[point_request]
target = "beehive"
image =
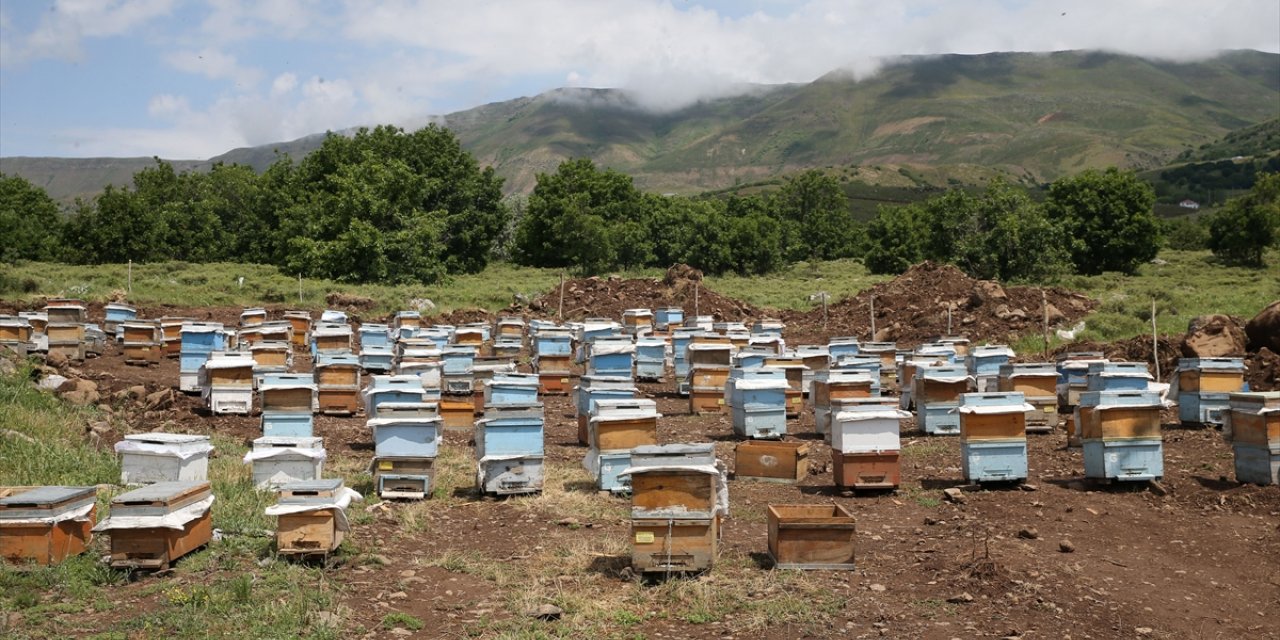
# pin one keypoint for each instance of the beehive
(770, 461)
(310, 516)
(154, 526)
(46, 525)
(876, 470)
(279, 460)
(163, 457)
(811, 537)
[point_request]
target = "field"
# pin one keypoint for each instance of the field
(1192, 558)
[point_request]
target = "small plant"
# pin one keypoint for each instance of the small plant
(401, 619)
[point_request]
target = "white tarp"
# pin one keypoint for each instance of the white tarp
(759, 384)
(79, 514)
(179, 451)
(718, 470)
(877, 414)
(176, 519)
(338, 503)
(317, 453)
(611, 348)
(946, 379)
(994, 409)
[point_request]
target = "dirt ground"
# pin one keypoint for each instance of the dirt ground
(1197, 556)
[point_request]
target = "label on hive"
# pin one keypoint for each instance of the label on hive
(796, 400)
(720, 401)
(644, 537)
(386, 465)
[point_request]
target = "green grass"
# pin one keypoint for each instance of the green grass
(791, 288)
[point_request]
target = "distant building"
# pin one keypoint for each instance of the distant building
(1189, 204)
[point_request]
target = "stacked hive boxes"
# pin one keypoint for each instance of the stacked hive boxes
(330, 338)
(421, 357)
(300, 325)
(337, 380)
(405, 324)
(815, 358)
(678, 495)
(651, 359)
(65, 328)
(615, 428)
(993, 436)
(680, 340)
(45, 525)
(923, 355)
(1253, 422)
(1073, 376)
(1204, 385)
(668, 318)
(795, 372)
(199, 340)
(311, 518)
(509, 449)
(457, 406)
(637, 322)
(509, 340)
(937, 394)
(252, 317)
(1118, 423)
(1037, 382)
(153, 526)
(288, 451)
(865, 444)
(832, 385)
(758, 399)
(39, 321)
(590, 390)
(162, 457)
(226, 383)
(709, 358)
(887, 354)
(407, 431)
(16, 335)
(377, 352)
(171, 330)
(984, 364)
(143, 341)
(271, 356)
(553, 359)
(115, 313)
(611, 356)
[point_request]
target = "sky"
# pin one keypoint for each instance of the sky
(190, 79)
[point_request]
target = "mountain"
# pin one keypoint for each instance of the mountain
(1029, 115)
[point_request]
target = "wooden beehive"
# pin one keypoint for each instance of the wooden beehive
(706, 400)
(786, 462)
(1030, 386)
(1107, 422)
(338, 401)
(993, 426)
(338, 375)
(457, 414)
(230, 376)
(709, 377)
(824, 392)
(937, 391)
(272, 355)
(45, 543)
(300, 321)
(1258, 429)
(617, 433)
(868, 470)
(287, 398)
(812, 537)
(158, 547)
(64, 333)
(666, 489)
(315, 532)
(674, 545)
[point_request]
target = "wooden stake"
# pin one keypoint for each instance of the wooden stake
(696, 286)
(824, 309)
(560, 313)
(1044, 307)
(299, 286)
(948, 320)
(131, 276)
(873, 318)
(1155, 340)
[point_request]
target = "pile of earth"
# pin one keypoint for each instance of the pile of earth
(609, 297)
(912, 308)
(1136, 349)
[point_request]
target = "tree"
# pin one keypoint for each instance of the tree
(29, 221)
(1241, 231)
(896, 239)
(571, 217)
(1109, 218)
(815, 202)
(1010, 238)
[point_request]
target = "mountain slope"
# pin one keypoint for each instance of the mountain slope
(1036, 116)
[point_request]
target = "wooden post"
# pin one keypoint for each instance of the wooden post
(873, 317)
(131, 276)
(948, 318)
(1044, 307)
(1155, 340)
(696, 286)
(299, 286)
(824, 309)
(560, 313)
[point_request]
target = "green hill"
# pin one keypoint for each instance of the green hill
(1033, 117)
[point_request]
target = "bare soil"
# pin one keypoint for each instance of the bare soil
(1197, 556)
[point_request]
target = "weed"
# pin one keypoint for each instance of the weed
(400, 619)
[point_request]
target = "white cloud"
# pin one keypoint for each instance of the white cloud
(215, 65)
(61, 29)
(284, 83)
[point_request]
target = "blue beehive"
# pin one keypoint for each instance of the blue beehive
(751, 357)
(1117, 376)
(511, 389)
(611, 357)
(994, 460)
(664, 319)
(510, 431)
(1256, 463)
(760, 420)
(286, 424)
(1202, 407)
(406, 437)
(458, 359)
(870, 366)
(767, 327)
(608, 465)
(553, 343)
(287, 401)
(757, 386)
(842, 347)
(651, 358)
(375, 398)
(116, 313)
(374, 335)
(591, 387)
(1133, 460)
(937, 416)
(380, 359)
(984, 364)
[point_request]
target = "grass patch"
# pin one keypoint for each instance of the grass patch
(399, 619)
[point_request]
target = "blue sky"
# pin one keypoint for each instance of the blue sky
(195, 78)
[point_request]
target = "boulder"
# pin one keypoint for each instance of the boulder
(992, 290)
(83, 398)
(56, 359)
(1264, 329)
(1055, 315)
(1213, 336)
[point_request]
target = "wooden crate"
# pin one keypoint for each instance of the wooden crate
(554, 383)
(457, 414)
(811, 537)
(338, 401)
(1121, 423)
(707, 400)
(338, 375)
(618, 435)
(1211, 381)
(159, 547)
(994, 426)
(308, 533)
(663, 545)
(933, 391)
(667, 489)
(44, 543)
(866, 470)
(786, 462)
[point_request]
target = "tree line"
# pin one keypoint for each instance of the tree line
(385, 205)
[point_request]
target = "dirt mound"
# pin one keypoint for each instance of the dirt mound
(1264, 329)
(1263, 370)
(351, 302)
(609, 297)
(1214, 336)
(464, 316)
(1136, 349)
(912, 308)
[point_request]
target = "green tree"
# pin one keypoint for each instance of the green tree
(815, 202)
(1186, 233)
(896, 239)
(571, 215)
(1109, 217)
(1241, 231)
(29, 221)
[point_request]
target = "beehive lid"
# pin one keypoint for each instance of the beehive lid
(229, 361)
(337, 360)
(321, 486)
(655, 455)
(281, 442)
(159, 498)
(46, 498)
(1028, 369)
(167, 438)
(201, 327)
(991, 351)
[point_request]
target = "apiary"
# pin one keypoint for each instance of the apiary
(678, 495)
(1253, 425)
(46, 525)
(1073, 375)
(197, 341)
(163, 457)
(591, 388)
(152, 527)
(16, 335)
(984, 362)
(311, 516)
(115, 313)
(171, 331)
(812, 536)
(651, 359)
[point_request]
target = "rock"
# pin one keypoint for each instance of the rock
(1144, 631)
(136, 392)
(69, 385)
(954, 494)
(161, 399)
(56, 359)
(1028, 487)
(399, 595)
(86, 385)
(545, 612)
(1263, 330)
(51, 382)
(992, 290)
(878, 588)
(401, 631)
(1055, 315)
(568, 522)
(967, 320)
(81, 398)
(887, 334)
(1066, 546)
(1213, 336)
(379, 559)
(7, 367)
(408, 573)
(963, 598)
(1028, 533)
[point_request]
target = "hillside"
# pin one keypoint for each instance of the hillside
(1030, 116)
